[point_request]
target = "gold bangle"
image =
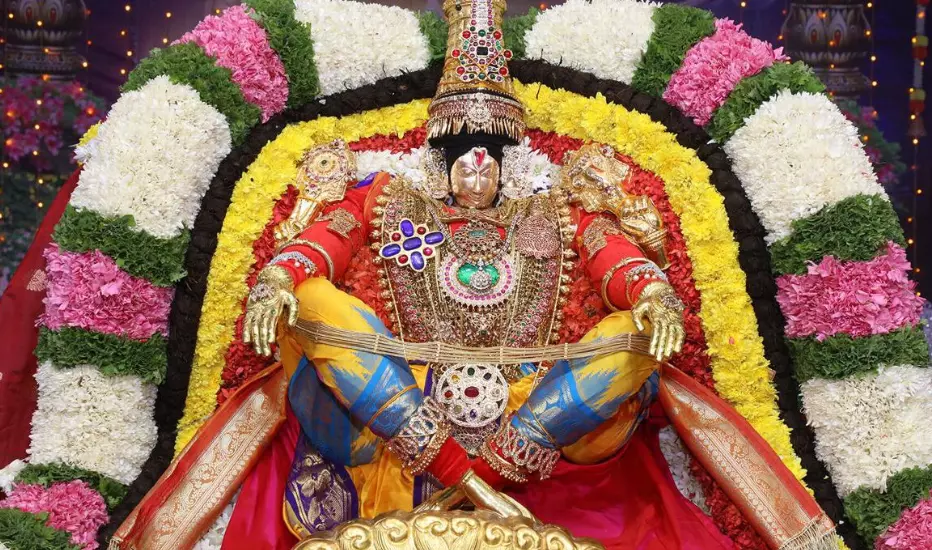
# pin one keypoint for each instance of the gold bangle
(607, 278)
(314, 246)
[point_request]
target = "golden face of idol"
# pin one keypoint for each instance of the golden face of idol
(474, 179)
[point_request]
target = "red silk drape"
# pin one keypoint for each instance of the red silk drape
(20, 304)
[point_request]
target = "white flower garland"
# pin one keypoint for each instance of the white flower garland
(871, 427)
(356, 44)
(678, 458)
(795, 155)
(604, 37)
(154, 157)
(8, 473)
(100, 423)
(213, 538)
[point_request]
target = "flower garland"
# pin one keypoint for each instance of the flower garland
(386, 41)
(240, 44)
(841, 355)
(112, 355)
(855, 298)
(187, 65)
(853, 229)
(73, 507)
(24, 530)
(90, 291)
(871, 427)
(585, 35)
(92, 421)
(676, 29)
(291, 40)
(873, 511)
(46, 475)
(156, 154)
(260, 185)
(791, 170)
(749, 94)
(714, 66)
(738, 363)
(913, 531)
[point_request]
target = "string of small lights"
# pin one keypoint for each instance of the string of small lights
(917, 131)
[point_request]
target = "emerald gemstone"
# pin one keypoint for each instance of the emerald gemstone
(482, 33)
(469, 275)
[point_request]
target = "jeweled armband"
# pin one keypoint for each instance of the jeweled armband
(645, 272)
(296, 259)
(419, 441)
(516, 457)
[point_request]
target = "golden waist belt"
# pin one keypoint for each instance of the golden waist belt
(441, 352)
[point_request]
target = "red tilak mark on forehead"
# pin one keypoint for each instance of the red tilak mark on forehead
(480, 156)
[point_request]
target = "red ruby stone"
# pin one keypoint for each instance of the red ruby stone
(507, 54)
(503, 71)
(403, 259)
(471, 392)
(497, 35)
(466, 34)
(448, 394)
(396, 236)
(460, 70)
(428, 251)
(421, 230)
(455, 53)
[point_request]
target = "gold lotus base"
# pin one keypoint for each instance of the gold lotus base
(459, 530)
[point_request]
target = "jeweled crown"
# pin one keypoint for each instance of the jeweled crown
(476, 91)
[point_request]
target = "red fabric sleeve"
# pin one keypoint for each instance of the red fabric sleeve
(20, 305)
(617, 248)
(340, 249)
(450, 464)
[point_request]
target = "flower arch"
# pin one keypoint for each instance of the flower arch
(791, 215)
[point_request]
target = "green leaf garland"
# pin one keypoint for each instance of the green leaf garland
(112, 355)
(677, 28)
(853, 229)
(841, 356)
(188, 64)
(20, 529)
(46, 474)
(291, 39)
(872, 511)
(434, 29)
(753, 91)
(160, 261)
(515, 28)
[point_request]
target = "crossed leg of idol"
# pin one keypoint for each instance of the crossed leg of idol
(346, 401)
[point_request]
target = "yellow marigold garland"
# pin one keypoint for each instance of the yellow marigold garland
(250, 209)
(739, 367)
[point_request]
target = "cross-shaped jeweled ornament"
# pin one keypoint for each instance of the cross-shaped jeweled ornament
(412, 245)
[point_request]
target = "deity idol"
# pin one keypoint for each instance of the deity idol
(469, 401)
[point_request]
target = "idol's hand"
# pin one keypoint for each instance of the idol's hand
(659, 304)
(639, 217)
(272, 296)
(482, 495)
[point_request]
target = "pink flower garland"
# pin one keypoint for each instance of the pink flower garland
(88, 290)
(714, 66)
(856, 298)
(913, 531)
(73, 507)
(241, 45)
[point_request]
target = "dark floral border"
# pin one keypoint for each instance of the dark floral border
(749, 233)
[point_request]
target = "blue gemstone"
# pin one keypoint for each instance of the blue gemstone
(412, 244)
(434, 238)
(389, 250)
(417, 261)
(407, 227)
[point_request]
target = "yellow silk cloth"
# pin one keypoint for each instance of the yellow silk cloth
(381, 485)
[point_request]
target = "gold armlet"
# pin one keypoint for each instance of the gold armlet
(418, 443)
(607, 278)
(648, 271)
(316, 247)
(517, 457)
